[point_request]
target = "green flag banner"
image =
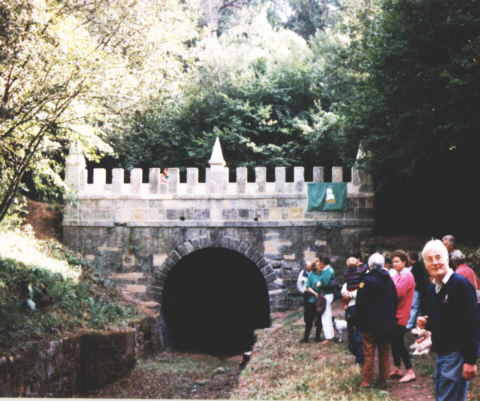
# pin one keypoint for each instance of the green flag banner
(326, 196)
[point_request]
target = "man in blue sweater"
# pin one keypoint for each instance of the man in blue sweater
(451, 317)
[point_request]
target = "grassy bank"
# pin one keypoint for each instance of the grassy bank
(47, 291)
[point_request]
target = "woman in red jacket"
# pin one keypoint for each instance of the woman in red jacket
(405, 286)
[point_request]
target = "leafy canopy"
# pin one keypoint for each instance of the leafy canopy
(257, 88)
(72, 70)
(416, 110)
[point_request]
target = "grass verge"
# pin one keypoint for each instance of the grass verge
(46, 291)
(285, 369)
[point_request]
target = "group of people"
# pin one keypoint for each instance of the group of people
(387, 297)
(316, 283)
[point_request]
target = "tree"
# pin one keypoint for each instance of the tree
(150, 50)
(416, 110)
(255, 87)
(71, 70)
(44, 71)
(304, 17)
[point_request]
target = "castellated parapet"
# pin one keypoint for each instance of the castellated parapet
(215, 202)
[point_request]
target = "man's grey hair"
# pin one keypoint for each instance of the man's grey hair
(450, 238)
(457, 256)
(376, 261)
(435, 245)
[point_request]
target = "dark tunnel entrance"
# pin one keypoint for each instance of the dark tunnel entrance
(213, 300)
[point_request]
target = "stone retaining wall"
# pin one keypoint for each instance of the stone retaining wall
(75, 365)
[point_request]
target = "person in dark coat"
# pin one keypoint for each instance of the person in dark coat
(308, 318)
(353, 277)
(376, 307)
(452, 317)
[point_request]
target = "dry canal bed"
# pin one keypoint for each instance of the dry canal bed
(280, 368)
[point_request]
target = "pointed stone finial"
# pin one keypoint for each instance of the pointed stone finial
(361, 179)
(75, 149)
(75, 167)
(217, 155)
(361, 153)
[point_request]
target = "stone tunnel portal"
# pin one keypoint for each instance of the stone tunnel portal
(213, 300)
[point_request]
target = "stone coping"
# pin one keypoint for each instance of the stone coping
(339, 222)
(136, 196)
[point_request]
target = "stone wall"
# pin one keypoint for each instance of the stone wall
(137, 258)
(135, 232)
(75, 365)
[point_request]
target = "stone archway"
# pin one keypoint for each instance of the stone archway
(169, 273)
(161, 273)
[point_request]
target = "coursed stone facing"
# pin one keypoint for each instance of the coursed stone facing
(130, 257)
(147, 228)
(74, 365)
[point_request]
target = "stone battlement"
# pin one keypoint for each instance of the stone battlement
(159, 187)
(167, 201)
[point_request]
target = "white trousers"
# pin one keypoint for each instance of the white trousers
(327, 321)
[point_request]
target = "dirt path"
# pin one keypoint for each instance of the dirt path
(177, 376)
(420, 389)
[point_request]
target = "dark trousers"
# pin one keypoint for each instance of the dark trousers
(310, 316)
(355, 344)
(399, 350)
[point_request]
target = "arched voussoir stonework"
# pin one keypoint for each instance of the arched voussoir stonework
(247, 250)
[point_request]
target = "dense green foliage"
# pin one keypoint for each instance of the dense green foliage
(416, 111)
(68, 304)
(422, 64)
(68, 69)
(150, 79)
(274, 119)
(259, 89)
(304, 17)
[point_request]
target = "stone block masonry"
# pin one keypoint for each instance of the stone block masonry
(74, 365)
(215, 203)
(78, 364)
(147, 227)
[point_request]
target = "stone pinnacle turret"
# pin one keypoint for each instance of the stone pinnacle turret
(217, 155)
(75, 167)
